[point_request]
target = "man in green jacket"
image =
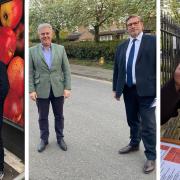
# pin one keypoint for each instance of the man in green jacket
(49, 81)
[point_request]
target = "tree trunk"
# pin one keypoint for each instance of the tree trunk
(57, 36)
(96, 33)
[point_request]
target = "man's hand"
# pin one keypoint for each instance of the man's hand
(114, 94)
(177, 78)
(67, 93)
(33, 96)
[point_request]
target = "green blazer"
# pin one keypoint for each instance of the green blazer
(41, 78)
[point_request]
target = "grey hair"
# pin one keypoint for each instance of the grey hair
(134, 16)
(44, 25)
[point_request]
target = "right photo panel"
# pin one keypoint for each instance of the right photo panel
(170, 90)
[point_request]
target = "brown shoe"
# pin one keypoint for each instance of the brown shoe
(149, 166)
(128, 149)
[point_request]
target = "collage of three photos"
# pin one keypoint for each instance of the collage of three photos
(89, 90)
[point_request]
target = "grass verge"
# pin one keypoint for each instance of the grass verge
(93, 63)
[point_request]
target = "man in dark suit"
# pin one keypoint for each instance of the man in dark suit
(170, 97)
(135, 77)
(4, 86)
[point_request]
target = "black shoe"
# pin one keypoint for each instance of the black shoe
(1, 174)
(149, 166)
(62, 144)
(128, 149)
(42, 146)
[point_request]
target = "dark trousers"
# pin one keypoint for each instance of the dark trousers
(1, 141)
(43, 110)
(141, 120)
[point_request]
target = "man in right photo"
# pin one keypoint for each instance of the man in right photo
(135, 77)
(170, 90)
(170, 97)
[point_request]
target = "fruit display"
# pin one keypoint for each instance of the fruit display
(12, 54)
(11, 13)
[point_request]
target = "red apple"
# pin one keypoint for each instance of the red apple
(16, 75)
(13, 107)
(7, 43)
(20, 37)
(11, 13)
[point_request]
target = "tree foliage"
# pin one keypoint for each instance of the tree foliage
(52, 12)
(175, 9)
(69, 14)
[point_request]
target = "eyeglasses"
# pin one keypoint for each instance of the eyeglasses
(134, 23)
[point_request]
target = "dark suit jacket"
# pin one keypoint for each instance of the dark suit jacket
(170, 101)
(145, 69)
(4, 83)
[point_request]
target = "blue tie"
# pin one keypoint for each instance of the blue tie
(129, 65)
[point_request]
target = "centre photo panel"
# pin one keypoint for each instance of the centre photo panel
(92, 90)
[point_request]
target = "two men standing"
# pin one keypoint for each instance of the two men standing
(49, 82)
(135, 77)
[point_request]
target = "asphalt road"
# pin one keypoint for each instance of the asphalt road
(95, 129)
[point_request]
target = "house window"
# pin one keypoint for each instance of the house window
(106, 38)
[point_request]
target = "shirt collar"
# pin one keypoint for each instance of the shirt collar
(139, 37)
(44, 48)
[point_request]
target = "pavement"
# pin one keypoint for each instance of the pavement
(95, 129)
(92, 72)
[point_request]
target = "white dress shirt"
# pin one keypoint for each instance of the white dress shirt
(137, 45)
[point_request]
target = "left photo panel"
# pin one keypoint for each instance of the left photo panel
(12, 104)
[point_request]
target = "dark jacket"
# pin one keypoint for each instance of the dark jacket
(170, 101)
(145, 69)
(4, 83)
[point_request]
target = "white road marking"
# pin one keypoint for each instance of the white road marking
(92, 79)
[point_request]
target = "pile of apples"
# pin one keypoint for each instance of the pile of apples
(12, 54)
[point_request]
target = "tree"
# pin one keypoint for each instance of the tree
(93, 13)
(50, 12)
(172, 9)
(175, 9)
(100, 12)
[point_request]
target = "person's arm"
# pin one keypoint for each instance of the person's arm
(115, 75)
(170, 97)
(32, 92)
(4, 82)
(67, 74)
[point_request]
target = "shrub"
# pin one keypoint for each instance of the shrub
(91, 50)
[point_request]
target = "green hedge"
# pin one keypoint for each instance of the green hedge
(91, 50)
